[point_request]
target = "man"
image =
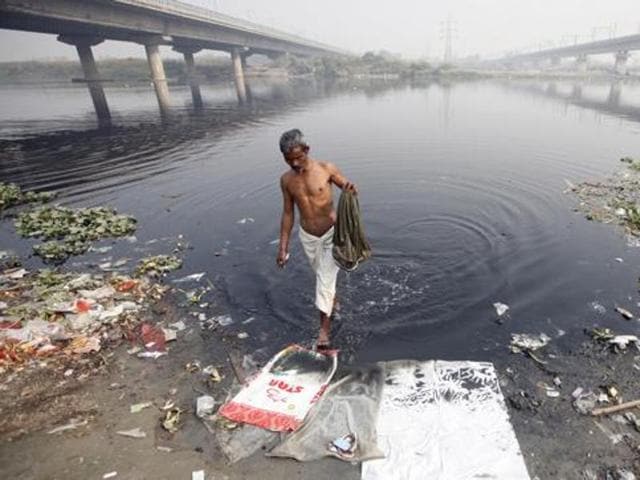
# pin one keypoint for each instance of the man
(308, 185)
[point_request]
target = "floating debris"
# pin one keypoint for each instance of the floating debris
(196, 277)
(243, 221)
(524, 342)
(598, 308)
(625, 313)
(501, 308)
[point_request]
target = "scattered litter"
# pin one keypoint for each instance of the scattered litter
(242, 221)
(633, 420)
(625, 313)
(213, 373)
(84, 345)
(179, 325)
(622, 341)
(557, 382)
(196, 277)
(243, 335)
(133, 433)
(153, 337)
(113, 266)
(344, 447)
(197, 475)
(501, 308)
(204, 406)
(193, 366)
(248, 320)
(170, 335)
(68, 372)
(110, 475)
(584, 402)
(223, 320)
(171, 420)
(138, 407)
(72, 425)
(101, 249)
(619, 260)
(164, 449)
(154, 355)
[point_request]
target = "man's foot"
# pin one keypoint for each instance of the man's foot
(323, 342)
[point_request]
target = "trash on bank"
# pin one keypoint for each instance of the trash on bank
(213, 373)
(110, 475)
(527, 343)
(197, 475)
(133, 433)
(344, 447)
(138, 407)
(204, 406)
(584, 402)
(157, 265)
(72, 425)
(171, 420)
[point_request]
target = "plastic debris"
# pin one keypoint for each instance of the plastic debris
(84, 345)
(154, 355)
(153, 338)
(243, 335)
(179, 325)
(625, 313)
(170, 335)
(213, 373)
(133, 433)
(623, 341)
(524, 342)
(110, 475)
(197, 475)
(138, 407)
(192, 367)
(204, 406)
(243, 221)
(196, 277)
(171, 420)
(501, 308)
(72, 425)
(344, 447)
(584, 402)
(223, 320)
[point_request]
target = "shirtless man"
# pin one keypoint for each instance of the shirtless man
(308, 185)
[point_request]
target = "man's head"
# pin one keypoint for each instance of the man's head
(294, 149)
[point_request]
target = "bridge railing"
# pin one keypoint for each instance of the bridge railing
(199, 13)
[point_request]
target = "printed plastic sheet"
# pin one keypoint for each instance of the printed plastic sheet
(279, 397)
(444, 421)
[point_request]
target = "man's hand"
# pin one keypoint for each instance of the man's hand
(283, 256)
(350, 187)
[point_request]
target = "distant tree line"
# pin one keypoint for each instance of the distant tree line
(217, 68)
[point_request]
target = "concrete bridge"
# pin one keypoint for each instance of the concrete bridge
(620, 47)
(151, 23)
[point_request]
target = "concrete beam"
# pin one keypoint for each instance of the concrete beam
(582, 63)
(620, 66)
(238, 75)
(83, 46)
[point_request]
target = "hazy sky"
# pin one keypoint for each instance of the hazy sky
(410, 27)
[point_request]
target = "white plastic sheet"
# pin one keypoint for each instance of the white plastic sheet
(444, 421)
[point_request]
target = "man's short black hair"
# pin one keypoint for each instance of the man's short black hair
(292, 139)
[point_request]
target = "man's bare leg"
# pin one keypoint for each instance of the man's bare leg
(325, 330)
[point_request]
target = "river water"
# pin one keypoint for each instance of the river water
(461, 190)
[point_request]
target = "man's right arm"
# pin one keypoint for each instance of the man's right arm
(286, 224)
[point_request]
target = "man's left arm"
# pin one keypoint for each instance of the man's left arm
(339, 180)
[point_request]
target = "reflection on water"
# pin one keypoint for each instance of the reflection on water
(461, 187)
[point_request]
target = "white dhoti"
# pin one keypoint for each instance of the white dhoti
(320, 255)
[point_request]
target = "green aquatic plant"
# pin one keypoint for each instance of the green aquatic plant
(11, 194)
(157, 265)
(70, 231)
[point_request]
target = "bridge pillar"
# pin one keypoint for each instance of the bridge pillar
(238, 75)
(615, 91)
(83, 45)
(158, 76)
(192, 78)
(582, 63)
(621, 62)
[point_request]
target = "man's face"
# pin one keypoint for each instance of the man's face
(297, 158)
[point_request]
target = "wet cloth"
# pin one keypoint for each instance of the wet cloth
(444, 421)
(319, 253)
(348, 407)
(350, 247)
